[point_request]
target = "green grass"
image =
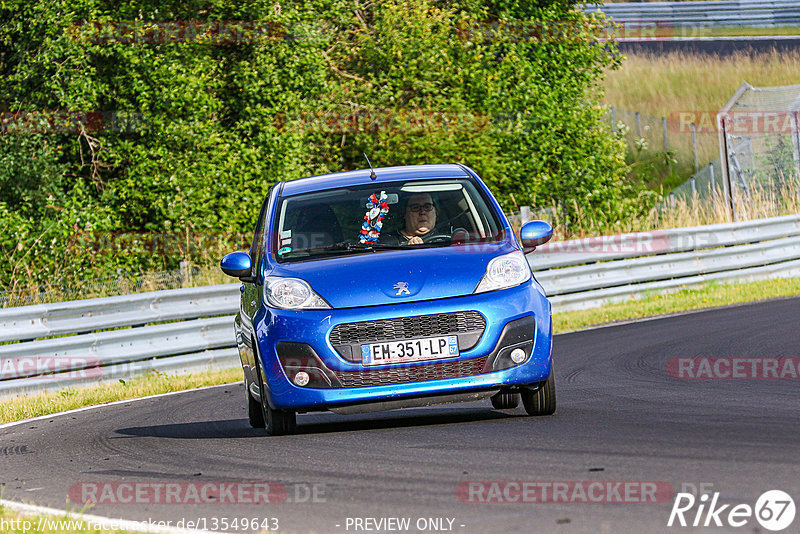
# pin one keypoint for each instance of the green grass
(737, 32)
(709, 296)
(24, 407)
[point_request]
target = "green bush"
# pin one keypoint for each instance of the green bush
(182, 139)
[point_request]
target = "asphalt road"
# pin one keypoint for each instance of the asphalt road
(712, 46)
(620, 418)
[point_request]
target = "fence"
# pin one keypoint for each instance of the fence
(731, 13)
(691, 146)
(53, 346)
(704, 184)
(759, 141)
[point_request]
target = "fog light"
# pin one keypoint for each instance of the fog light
(301, 378)
(518, 355)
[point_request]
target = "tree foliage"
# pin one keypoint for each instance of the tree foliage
(175, 134)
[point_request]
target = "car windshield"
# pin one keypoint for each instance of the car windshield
(386, 216)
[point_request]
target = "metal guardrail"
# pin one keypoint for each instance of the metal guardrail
(112, 338)
(586, 273)
(42, 320)
(732, 13)
(53, 346)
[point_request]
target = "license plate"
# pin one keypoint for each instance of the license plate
(412, 350)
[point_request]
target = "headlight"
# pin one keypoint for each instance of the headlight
(292, 294)
(505, 271)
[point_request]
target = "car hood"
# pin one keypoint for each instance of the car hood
(396, 276)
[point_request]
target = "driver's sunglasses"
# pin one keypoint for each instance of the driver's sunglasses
(421, 207)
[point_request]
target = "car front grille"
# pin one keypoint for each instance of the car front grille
(402, 375)
(468, 325)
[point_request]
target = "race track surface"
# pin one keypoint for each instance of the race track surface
(621, 417)
(713, 46)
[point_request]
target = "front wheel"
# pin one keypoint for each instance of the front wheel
(277, 422)
(543, 400)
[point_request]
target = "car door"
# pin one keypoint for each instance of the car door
(251, 291)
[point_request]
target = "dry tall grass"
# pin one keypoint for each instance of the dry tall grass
(758, 203)
(664, 84)
(671, 84)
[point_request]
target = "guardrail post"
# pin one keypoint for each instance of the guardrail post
(694, 148)
(713, 182)
(638, 125)
(186, 273)
(723, 160)
(524, 214)
(796, 139)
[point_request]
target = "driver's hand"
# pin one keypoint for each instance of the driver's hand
(416, 240)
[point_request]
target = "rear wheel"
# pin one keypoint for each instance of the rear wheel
(543, 400)
(505, 400)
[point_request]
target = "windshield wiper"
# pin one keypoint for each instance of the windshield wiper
(347, 246)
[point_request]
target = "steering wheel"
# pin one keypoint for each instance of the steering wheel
(437, 237)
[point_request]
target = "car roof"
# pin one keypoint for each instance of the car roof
(361, 177)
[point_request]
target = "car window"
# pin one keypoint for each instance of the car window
(257, 246)
(377, 217)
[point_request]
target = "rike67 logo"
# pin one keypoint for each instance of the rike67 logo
(774, 510)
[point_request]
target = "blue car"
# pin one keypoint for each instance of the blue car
(389, 288)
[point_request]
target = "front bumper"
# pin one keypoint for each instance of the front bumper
(482, 367)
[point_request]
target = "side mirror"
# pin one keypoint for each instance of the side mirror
(237, 264)
(535, 233)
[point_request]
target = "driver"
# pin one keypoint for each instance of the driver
(420, 219)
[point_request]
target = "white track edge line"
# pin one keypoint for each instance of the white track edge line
(106, 523)
(113, 403)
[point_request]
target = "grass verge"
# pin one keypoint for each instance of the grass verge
(708, 296)
(24, 407)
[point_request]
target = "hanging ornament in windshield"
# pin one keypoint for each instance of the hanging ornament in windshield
(377, 208)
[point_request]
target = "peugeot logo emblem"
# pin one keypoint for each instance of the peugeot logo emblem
(402, 288)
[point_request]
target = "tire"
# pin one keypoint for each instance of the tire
(505, 400)
(543, 400)
(254, 411)
(277, 422)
